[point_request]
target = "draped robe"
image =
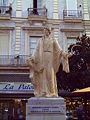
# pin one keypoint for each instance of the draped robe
(44, 65)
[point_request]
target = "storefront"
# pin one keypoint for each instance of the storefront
(73, 104)
(13, 99)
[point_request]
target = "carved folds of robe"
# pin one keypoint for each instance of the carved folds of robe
(44, 65)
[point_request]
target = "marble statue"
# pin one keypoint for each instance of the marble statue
(44, 64)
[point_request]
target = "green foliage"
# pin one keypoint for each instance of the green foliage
(79, 62)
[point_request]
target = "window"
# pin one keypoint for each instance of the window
(4, 48)
(37, 3)
(3, 2)
(4, 44)
(70, 41)
(71, 7)
(32, 44)
(0, 2)
(3, 8)
(71, 4)
(36, 6)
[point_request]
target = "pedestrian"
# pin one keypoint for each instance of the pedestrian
(80, 112)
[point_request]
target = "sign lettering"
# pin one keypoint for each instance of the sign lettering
(16, 86)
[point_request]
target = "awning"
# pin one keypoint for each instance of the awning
(85, 90)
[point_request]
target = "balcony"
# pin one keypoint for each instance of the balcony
(5, 12)
(37, 14)
(10, 60)
(72, 16)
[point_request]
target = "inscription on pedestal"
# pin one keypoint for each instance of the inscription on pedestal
(46, 109)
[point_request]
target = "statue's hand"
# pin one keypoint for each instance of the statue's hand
(41, 69)
(69, 54)
(66, 54)
(30, 61)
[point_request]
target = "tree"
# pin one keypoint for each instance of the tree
(79, 62)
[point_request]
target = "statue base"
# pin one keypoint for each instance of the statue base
(46, 109)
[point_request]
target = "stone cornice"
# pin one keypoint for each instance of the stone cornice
(71, 30)
(6, 28)
(33, 28)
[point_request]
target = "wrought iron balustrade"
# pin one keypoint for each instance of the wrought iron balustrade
(11, 60)
(37, 12)
(75, 14)
(5, 10)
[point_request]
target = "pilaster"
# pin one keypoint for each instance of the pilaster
(56, 30)
(18, 38)
(18, 26)
(64, 42)
(85, 10)
(55, 9)
(19, 8)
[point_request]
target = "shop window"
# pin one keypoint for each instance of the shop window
(32, 44)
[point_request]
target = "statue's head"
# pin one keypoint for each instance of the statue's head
(47, 31)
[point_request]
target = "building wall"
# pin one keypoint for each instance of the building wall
(54, 23)
(88, 3)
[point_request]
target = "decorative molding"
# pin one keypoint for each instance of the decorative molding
(72, 34)
(33, 28)
(6, 28)
(71, 30)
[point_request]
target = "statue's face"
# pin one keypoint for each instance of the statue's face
(47, 32)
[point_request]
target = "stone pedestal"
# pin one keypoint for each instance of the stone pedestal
(45, 109)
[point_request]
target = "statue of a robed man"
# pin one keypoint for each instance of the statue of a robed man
(44, 64)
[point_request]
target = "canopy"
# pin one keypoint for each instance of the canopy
(85, 90)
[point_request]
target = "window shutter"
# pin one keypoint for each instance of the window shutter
(4, 45)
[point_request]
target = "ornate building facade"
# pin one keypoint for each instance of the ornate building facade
(21, 25)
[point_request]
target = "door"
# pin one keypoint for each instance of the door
(6, 109)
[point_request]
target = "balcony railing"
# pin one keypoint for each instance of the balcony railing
(72, 14)
(37, 12)
(10, 60)
(5, 11)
